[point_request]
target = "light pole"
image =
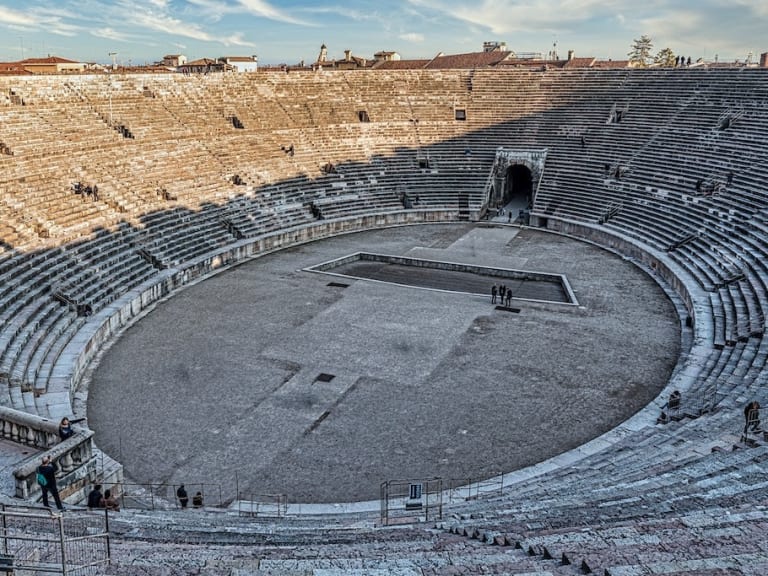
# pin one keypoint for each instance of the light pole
(113, 54)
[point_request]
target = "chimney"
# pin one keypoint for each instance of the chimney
(570, 55)
(347, 55)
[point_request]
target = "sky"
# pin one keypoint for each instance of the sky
(290, 31)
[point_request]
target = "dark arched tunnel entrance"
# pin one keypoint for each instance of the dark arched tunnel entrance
(519, 186)
(515, 195)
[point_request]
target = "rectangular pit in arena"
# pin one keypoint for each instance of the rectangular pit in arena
(449, 276)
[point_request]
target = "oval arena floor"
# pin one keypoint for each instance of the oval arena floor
(425, 382)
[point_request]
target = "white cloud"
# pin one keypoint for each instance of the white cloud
(237, 40)
(50, 20)
(154, 16)
(412, 37)
(755, 6)
(111, 34)
(266, 10)
(672, 24)
(505, 17)
(61, 29)
(13, 17)
(348, 12)
(214, 10)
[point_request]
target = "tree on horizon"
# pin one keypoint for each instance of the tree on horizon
(640, 55)
(665, 57)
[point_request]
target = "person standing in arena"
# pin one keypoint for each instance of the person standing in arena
(65, 429)
(181, 494)
(94, 497)
(48, 472)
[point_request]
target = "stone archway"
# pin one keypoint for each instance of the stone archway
(515, 174)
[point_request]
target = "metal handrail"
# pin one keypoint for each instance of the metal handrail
(163, 494)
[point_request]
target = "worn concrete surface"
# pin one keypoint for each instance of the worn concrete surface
(219, 382)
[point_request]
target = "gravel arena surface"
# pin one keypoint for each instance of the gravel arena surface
(220, 381)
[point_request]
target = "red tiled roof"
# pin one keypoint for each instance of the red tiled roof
(202, 62)
(532, 63)
(580, 62)
(470, 60)
(611, 64)
(48, 60)
(400, 64)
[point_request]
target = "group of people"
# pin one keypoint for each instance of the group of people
(86, 190)
(503, 293)
(106, 500)
(46, 479)
(181, 494)
(46, 472)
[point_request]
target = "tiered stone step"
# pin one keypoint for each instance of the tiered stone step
(199, 542)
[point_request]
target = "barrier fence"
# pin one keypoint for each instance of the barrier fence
(71, 544)
(402, 500)
(753, 425)
(262, 505)
(153, 496)
(463, 489)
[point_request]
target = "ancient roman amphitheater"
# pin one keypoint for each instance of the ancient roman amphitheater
(275, 288)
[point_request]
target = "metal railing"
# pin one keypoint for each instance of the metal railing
(262, 505)
(402, 500)
(39, 542)
(463, 489)
(161, 495)
(753, 430)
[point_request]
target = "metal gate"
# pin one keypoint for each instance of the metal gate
(411, 500)
(40, 542)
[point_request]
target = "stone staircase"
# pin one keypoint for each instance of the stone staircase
(194, 542)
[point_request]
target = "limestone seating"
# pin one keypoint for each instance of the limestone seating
(734, 368)
(21, 291)
(94, 276)
(723, 541)
(733, 313)
(47, 325)
(36, 322)
(404, 553)
(619, 485)
(175, 239)
(629, 508)
(709, 539)
(656, 198)
(48, 343)
(115, 105)
(668, 451)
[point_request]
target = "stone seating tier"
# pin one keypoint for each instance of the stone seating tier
(167, 198)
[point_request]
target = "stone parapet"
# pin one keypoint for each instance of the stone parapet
(73, 457)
